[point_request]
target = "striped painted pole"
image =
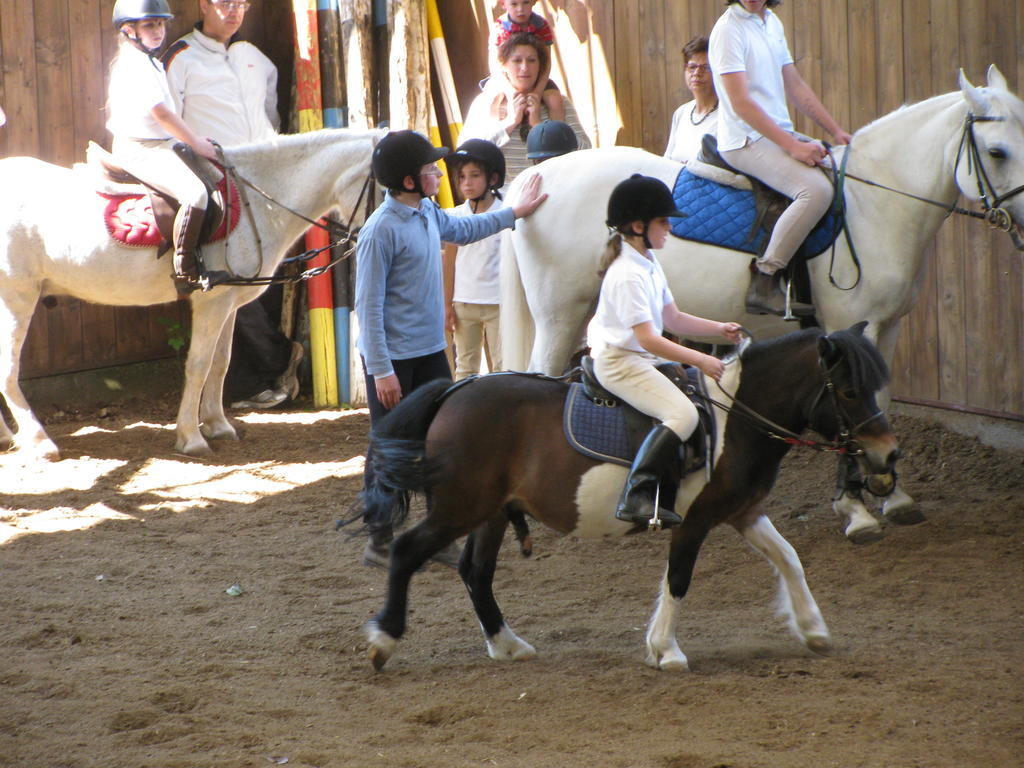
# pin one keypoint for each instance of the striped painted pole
(320, 300)
(309, 107)
(332, 89)
(444, 192)
(439, 50)
(308, 104)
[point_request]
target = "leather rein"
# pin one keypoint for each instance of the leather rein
(846, 440)
(993, 213)
(346, 234)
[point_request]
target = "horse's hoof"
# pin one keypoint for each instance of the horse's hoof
(382, 645)
(224, 432)
(378, 658)
(507, 646)
(43, 450)
(900, 510)
(865, 534)
(196, 448)
(674, 661)
(819, 644)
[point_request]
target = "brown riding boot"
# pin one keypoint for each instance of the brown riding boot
(765, 298)
(187, 226)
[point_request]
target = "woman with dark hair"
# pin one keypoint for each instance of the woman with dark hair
(754, 74)
(506, 118)
(699, 116)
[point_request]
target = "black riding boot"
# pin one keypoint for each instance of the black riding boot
(187, 226)
(765, 298)
(654, 457)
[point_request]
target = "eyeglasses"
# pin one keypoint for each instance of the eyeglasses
(232, 5)
(693, 68)
(432, 171)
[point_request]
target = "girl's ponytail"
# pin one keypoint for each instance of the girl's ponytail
(612, 249)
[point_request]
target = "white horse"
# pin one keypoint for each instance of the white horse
(53, 241)
(549, 274)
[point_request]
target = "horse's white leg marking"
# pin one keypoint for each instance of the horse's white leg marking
(663, 651)
(17, 302)
(795, 599)
(507, 646)
(382, 645)
(208, 318)
(899, 508)
(214, 421)
(859, 525)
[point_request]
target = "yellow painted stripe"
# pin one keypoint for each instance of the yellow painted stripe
(322, 353)
(310, 120)
(444, 194)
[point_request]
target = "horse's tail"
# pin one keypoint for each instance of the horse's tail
(396, 455)
(516, 322)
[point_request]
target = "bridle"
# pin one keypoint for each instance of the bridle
(994, 213)
(345, 233)
(846, 438)
(996, 216)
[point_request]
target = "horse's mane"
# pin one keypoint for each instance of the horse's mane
(868, 371)
(939, 102)
(309, 141)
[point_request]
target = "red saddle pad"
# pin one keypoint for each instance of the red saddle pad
(130, 220)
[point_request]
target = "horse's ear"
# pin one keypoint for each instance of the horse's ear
(858, 328)
(996, 79)
(973, 95)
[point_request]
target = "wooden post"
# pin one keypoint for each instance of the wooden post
(410, 62)
(357, 42)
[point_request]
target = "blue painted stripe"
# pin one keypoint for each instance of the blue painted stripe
(341, 348)
(327, 5)
(335, 117)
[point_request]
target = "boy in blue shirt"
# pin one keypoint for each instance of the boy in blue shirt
(400, 282)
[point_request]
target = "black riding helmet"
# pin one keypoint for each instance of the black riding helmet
(550, 138)
(403, 153)
(640, 198)
(487, 154)
(137, 10)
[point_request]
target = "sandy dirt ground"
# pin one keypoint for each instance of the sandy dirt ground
(122, 647)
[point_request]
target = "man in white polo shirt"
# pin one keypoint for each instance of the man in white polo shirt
(226, 88)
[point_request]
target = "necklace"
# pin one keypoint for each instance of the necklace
(702, 117)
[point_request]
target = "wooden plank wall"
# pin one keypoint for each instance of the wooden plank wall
(54, 57)
(963, 345)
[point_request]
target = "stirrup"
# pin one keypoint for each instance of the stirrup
(788, 314)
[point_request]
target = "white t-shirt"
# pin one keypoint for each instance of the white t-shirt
(634, 291)
(741, 42)
(684, 137)
(476, 265)
(137, 84)
(228, 93)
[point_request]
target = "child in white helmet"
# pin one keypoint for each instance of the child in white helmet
(145, 126)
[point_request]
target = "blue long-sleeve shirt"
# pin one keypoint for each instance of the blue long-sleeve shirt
(400, 280)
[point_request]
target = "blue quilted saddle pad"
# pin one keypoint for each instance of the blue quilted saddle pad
(597, 431)
(722, 215)
(602, 432)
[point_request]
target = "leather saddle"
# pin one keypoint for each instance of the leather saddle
(697, 452)
(119, 182)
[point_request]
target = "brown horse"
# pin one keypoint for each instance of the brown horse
(492, 450)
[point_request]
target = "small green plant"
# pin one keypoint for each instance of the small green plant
(177, 336)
